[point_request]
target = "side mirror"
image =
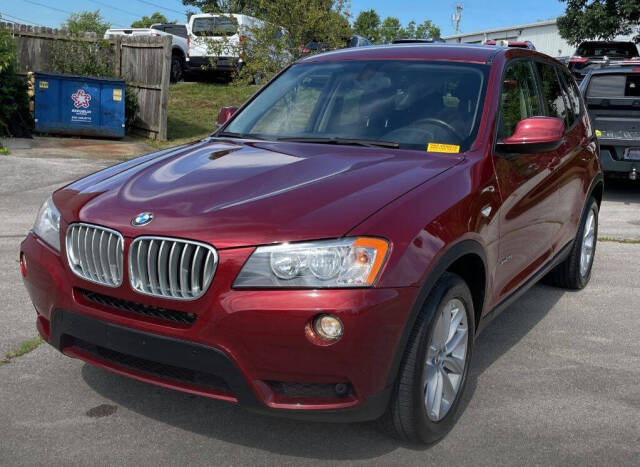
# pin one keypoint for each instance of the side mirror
(225, 114)
(534, 135)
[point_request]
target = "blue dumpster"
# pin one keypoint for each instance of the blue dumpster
(79, 105)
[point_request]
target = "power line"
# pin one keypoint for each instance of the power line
(2, 16)
(106, 5)
(47, 6)
(160, 6)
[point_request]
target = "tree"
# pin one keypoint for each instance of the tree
(277, 42)
(147, 21)
(390, 29)
(367, 24)
(250, 7)
(427, 30)
(598, 19)
(86, 21)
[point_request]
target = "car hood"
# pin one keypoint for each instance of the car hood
(233, 193)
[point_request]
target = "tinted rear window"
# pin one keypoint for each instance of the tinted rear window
(611, 50)
(217, 26)
(618, 85)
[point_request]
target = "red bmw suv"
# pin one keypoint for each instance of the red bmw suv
(332, 251)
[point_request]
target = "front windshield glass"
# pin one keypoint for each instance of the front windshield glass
(412, 103)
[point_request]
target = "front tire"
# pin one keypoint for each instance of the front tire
(575, 271)
(426, 399)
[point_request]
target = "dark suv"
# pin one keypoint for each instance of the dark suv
(332, 251)
(592, 55)
(613, 99)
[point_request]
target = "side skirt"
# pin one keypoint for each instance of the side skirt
(533, 280)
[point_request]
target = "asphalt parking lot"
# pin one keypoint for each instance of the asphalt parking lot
(555, 380)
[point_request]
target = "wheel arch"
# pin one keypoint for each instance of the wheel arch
(177, 51)
(466, 258)
(597, 189)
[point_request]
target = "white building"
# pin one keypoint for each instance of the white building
(544, 35)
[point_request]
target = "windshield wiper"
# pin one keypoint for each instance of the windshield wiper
(230, 134)
(343, 141)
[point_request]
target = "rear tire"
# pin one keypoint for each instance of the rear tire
(176, 69)
(575, 271)
(426, 398)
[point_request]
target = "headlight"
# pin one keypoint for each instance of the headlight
(345, 262)
(47, 225)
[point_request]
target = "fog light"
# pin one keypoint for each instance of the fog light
(328, 327)
(23, 265)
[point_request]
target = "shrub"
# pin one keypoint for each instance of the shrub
(15, 119)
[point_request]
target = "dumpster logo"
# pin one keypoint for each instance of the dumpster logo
(81, 99)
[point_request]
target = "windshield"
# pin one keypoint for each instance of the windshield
(215, 26)
(626, 50)
(412, 103)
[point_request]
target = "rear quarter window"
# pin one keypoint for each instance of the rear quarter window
(554, 94)
(614, 85)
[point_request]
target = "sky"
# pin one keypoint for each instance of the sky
(477, 15)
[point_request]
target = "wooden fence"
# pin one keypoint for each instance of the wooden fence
(143, 62)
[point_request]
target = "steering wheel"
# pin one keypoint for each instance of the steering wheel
(416, 130)
(440, 123)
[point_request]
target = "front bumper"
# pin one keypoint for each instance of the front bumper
(244, 346)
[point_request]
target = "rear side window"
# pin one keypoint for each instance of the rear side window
(618, 85)
(216, 26)
(573, 100)
(553, 93)
(519, 97)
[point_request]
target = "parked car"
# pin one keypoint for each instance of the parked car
(179, 44)
(612, 95)
(414, 40)
(315, 47)
(172, 28)
(225, 31)
(592, 55)
(334, 248)
(506, 43)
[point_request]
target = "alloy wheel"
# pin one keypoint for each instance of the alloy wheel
(588, 243)
(446, 360)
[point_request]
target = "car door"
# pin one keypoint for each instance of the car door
(527, 221)
(573, 156)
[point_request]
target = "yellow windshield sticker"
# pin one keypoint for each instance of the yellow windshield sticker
(440, 147)
(598, 133)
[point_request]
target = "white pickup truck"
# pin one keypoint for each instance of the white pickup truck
(179, 43)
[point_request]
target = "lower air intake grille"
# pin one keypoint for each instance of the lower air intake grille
(178, 374)
(175, 316)
(325, 390)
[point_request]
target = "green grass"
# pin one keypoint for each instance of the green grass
(24, 348)
(193, 109)
(619, 240)
(4, 151)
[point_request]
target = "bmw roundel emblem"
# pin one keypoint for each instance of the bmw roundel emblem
(142, 219)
